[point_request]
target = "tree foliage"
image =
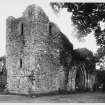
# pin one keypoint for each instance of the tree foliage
(86, 16)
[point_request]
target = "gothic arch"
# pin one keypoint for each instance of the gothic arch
(80, 78)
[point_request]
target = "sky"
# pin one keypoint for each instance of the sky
(15, 8)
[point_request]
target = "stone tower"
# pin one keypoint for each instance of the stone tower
(33, 47)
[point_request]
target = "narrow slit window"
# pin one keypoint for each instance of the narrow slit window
(50, 29)
(20, 63)
(22, 33)
(22, 29)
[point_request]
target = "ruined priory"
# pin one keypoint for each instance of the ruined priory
(39, 56)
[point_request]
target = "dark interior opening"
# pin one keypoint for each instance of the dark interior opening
(79, 80)
(22, 29)
(20, 63)
(50, 28)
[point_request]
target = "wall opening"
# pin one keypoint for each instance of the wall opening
(20, 63)
(78, 80)
(22, 29)
(22, 33)
(50, 28)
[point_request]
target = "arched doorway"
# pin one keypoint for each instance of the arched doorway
(80, 78)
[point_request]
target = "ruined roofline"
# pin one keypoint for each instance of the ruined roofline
(11, 18)
(62, 34)
(83, 55)
(84, 52)
(31, 13)
(34, 10)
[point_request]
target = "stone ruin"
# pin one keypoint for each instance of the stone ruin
(40, 59)
(38, 54)
(82, 76)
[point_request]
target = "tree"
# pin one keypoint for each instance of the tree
(87, 16)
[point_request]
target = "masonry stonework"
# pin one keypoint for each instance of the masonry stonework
(34, 47)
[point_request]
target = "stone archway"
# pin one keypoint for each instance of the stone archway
(80, 78)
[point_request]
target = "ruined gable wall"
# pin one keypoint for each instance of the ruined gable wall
(29, 43)
(42, 73)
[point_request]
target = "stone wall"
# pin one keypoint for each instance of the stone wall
(3, 73)
(34, 47)
(91, 81)
(77, 77)
(80, 79)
